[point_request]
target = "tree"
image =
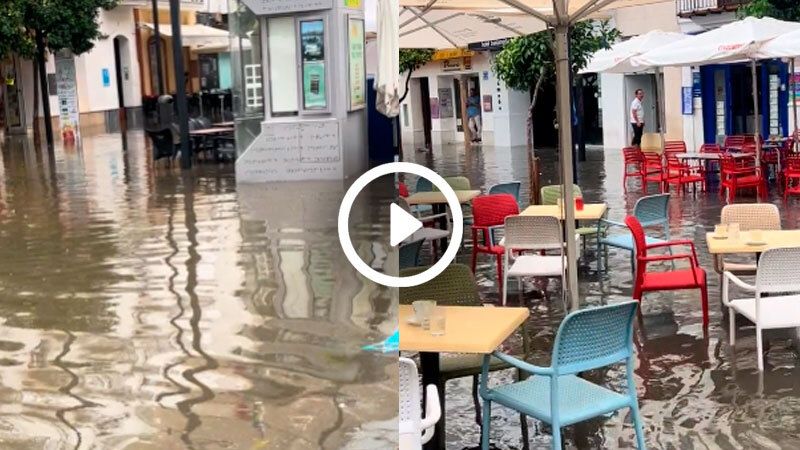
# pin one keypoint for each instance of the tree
(36, 26)
(412, 59)
(527, 62)
(778, 9)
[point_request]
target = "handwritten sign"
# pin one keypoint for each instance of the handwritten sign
(272, 7)
(293, 151)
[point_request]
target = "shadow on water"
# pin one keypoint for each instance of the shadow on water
(145, 308)
(695, 391)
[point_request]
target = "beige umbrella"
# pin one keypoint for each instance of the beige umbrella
(457, 29)
(558, 14)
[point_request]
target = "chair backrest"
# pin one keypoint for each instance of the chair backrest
(792, 163)
(595, 337)
(423, 185)
(551, 194)
(752, 216)
(710, 148)
(410, 399)
(409, 254)
(652, 209)
(778, 272)
(632, 154)
(402, 189)
(637, 232)
(533, 233)
(511, 188)
(163, 145)
(457, 183)
(453, 287)
(492, 210)
(735, 141)
(675, 147)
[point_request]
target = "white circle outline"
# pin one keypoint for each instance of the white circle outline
(455, 237)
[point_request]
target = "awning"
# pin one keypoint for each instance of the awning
(198, 37)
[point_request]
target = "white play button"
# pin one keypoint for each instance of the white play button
(401, 224)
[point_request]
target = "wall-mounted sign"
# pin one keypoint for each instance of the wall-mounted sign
(494, 44)
(686, 100)
(445, 103)
(312, 52)
(697, 90)
(467, 63)
(67, 89)
(434, 108)
(274, 7)
(487, 103)
(451, 65)
(355, 4)
(355, 62)
(451, 53)
(106, 76)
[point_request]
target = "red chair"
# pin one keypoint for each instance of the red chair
(693, 277)
(402, 190)
(680, 174)
(653, 171)
(633, 158)
(735, 176)
(791, 176)
(674, 147)
(489, 212)
(711, 166)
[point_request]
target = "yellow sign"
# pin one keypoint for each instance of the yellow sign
(356, 4)
(452, 53)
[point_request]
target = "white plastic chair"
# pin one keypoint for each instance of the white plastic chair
(777, 295)
(414, 430)
(532, 233)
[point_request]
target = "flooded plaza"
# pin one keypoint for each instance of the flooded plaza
(150, 308)
(695, 391)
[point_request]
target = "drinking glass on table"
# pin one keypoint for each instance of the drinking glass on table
(721, 230)
(733, 230)
(422, 312)
(438, 321)
(579, 203)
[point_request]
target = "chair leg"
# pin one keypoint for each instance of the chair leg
(475, 400)
(505, 279)
(556, 436)
(500, 274)
(523, 425)
(474, 250)
(637, 423)
(704, 299)
(487, 416)
(759, 349)
(732, 325)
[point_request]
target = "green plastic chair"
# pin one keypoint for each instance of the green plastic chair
(586, 340)
(457, 183)
(455, 287)
(551, 194)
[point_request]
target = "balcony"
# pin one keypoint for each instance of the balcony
(688, 8)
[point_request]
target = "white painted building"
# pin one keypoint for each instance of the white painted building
(503, 111)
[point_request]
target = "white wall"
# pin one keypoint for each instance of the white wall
(615, 123)
(92, 95)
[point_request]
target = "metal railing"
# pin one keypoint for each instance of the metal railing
(694, 7)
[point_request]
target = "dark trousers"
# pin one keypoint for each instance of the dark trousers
(637, 134)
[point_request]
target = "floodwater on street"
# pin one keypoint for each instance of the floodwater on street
(695, 391)
(148, 308)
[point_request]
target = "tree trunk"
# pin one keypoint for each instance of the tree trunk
(40, 55)
(37, 136)
(408, 80)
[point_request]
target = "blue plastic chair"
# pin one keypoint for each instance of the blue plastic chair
(587, 339)
(409, 253)
(511, 187)
(389, 345)
(652, 210)
(423, 185)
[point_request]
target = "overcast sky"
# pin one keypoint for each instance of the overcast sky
(370, 12)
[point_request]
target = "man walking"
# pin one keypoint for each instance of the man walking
(637, 118)
(474, 115)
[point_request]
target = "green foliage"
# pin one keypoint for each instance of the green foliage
(778, 9)
(64, 24)
(526, 59)
(412, 59)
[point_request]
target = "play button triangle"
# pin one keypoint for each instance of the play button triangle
(401, 224)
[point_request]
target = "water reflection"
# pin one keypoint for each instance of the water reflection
(695, 391)
(147, 308)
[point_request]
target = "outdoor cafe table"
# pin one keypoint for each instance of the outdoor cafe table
(438, 202)
(468, 329)
(211, 131)
(743, 244)
(590, 211)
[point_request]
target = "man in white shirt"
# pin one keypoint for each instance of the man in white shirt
(637, 118)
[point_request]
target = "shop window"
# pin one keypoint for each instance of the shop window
(283, 65)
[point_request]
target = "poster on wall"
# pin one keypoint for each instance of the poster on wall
(794, 82)
(445, 103)
(312, 51)
(66, 87)
(434, 108)
(487, 103)
(686, 100)
(356, 64)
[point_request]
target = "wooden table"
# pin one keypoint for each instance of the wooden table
(437, 198)
(772, 239)
(468, 329)
(590, 211)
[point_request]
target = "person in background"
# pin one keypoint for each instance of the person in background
(474, 115)
(637, 118)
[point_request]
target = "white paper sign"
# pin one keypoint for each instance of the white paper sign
(293, 151)
(272, 7)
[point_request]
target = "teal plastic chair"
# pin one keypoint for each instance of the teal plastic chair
(409, 253)
(652, 211)
(511, 187)
(587, 339)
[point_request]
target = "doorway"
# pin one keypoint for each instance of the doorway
(647, 83)
(425, 100)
